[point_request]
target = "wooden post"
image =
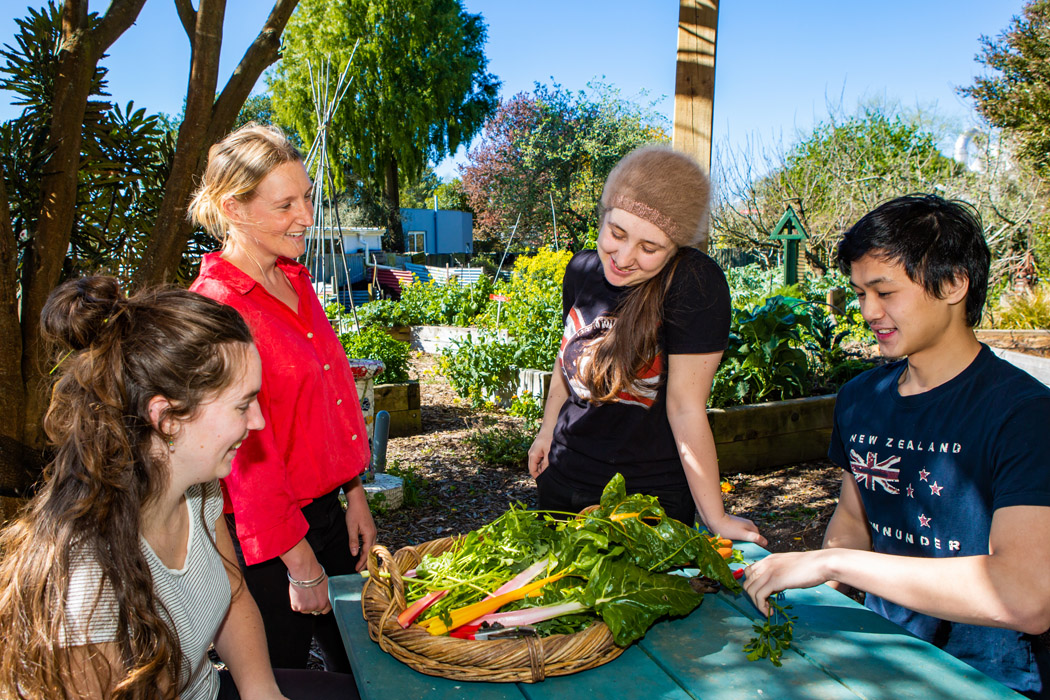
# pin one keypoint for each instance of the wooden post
(694, 97)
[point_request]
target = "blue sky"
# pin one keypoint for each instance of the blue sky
(779, 66)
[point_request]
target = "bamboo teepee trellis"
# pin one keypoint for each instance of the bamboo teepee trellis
(324, 242)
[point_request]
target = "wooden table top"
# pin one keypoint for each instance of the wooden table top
(840, 650)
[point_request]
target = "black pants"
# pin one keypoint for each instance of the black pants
(297, 684)
(288, 633)
(558, 493)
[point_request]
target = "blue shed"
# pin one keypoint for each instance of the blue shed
(438, 231)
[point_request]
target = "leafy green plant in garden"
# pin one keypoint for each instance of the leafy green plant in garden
(482, 371)
(384, 312)
(413, 486)
(785, 348)
(501, 445)
(373, 343)
(435, 303)
(764, 360)
(750, 284)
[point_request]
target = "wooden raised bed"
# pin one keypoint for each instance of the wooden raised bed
(401, 401)
(760, 436)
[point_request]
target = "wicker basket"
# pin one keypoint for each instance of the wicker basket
(526, 660)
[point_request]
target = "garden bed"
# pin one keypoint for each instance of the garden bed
(759, 436)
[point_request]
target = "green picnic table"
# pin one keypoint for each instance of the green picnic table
(840, 650)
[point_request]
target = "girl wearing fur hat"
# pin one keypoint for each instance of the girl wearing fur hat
(646, 322)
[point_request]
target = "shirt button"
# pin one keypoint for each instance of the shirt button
(309, 335)
(353, 437)
(327, 367)
(338, 402)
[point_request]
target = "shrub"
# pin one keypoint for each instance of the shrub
(1025, 310)
(505, 446)
(532, 313)
(373, 343)
(784, 349)
(481, 372)
(435, 303)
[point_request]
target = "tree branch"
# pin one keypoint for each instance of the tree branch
(188, 17)
(120, 15)
(263, 52)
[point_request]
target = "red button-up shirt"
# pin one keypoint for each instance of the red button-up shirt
(315, 438)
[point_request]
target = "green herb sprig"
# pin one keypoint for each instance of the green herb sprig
(774, 633)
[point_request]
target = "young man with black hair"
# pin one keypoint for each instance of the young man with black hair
(944, 515)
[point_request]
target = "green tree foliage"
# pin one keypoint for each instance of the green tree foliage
(450, 195)
(552, 148)
(258, 109)
(420, 86)
(419, 194)
(125, 156)
(1017, 96)
(88, 186)
(848, 165)
(831, 177)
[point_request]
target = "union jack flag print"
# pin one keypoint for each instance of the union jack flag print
(868, 472)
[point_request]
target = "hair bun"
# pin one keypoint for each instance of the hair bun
(78, 310)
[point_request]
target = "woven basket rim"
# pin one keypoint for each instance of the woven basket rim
(526, 660)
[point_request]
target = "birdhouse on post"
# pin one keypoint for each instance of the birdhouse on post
(789, 229)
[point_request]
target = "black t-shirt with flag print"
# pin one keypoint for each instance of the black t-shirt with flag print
(632, 436)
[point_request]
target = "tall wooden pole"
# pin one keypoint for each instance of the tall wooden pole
(694, 92)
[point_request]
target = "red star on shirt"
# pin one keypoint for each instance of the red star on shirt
(924, 521)
(910, 491)
(935, 489)
(923, 474)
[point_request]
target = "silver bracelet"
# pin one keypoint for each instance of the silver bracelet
(312, 583)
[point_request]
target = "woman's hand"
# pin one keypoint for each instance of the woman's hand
(538, 452)
(736, 528)
(359, 523)
(311, 601)
(303, 566)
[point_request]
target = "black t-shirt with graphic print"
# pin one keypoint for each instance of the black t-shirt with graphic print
(592, 442)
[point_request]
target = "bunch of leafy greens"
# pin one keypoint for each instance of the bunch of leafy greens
(614, 561)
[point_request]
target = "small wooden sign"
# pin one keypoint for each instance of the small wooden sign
(789, 228)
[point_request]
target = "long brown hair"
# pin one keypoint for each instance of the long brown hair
(112, 354)
(633, 342)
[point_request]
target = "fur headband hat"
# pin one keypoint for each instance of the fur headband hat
(665, 187)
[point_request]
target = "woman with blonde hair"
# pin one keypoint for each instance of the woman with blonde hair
(283, 492)
(120, 574)
(646, 322)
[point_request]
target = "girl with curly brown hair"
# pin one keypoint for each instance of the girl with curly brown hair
(120, 573)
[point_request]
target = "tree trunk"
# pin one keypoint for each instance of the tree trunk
(42, 266)
(207, 120)
(392, 197)
(15, 475)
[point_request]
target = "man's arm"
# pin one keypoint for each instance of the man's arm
(849, 524)
(1008, 587)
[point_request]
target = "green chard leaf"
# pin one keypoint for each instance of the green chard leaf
(630, 599)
